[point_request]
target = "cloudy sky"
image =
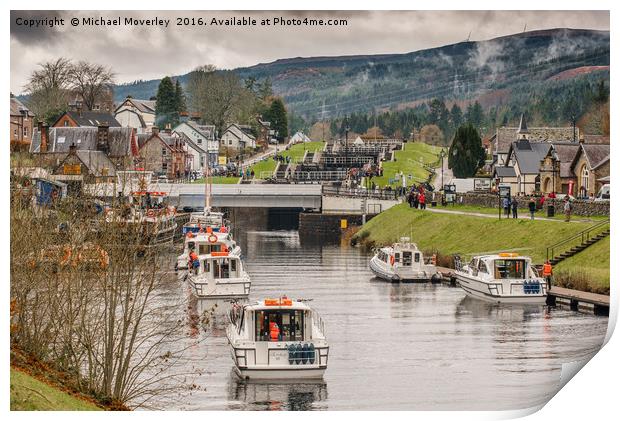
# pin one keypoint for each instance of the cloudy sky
(152, 52)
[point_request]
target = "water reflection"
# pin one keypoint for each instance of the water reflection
(278, 396)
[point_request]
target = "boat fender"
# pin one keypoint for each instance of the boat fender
(298, 351)
(291, 353)
(304, 354)
(311, 352)
(212, 238)
(392, 260)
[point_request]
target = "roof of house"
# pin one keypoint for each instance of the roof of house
(528, 155)
(129, 110)
(185, 138)
(504, 136)
(207, 131)
(504, 171)
(173, 142)
(17, 107)
(143, 105)
(596, 139)
(96, 161)
(91, 118)
(238, 131)
(596, 155)
(566, 152)
(84, 138)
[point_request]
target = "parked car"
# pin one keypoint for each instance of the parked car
(603, 194)
(273, 141)
(162, 179)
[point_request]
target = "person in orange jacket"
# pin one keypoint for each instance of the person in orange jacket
(274, 331)
(193, 260)
(548, 273)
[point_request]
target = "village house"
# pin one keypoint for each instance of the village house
(77, 117)
(138, 114)
(202, 143)
(22, 124)
(237, 137)
(556, 171)
(265, 132)
(591, 168)
(77, 155)
(164, 154)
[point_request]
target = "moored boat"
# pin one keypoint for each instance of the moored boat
(203, 243)
(502, 278)
(277, 339)
(403, 261)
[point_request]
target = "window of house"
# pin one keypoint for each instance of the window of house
(164, 166)
(230, 142)
(585, 178)
(15, 133)
(163, 151)
(66, 123)
(25, 131)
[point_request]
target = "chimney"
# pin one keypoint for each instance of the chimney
(103, 132)
(44, 131)
(155, 130)
(72, 149)
(78, 107)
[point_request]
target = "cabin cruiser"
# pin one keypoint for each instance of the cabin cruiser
(219, 274)
(149, 213)
(403, 261)
(502, 278)
(199, 221)
(203, 243)
(277, 339)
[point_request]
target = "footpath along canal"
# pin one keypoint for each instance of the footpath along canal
(407, 347)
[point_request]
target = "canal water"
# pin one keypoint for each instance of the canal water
(392, 346)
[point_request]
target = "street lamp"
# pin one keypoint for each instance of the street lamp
(346, 143)
(442, 155)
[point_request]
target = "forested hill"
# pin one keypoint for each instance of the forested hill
(488, 71)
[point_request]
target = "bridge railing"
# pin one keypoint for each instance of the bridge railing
(361, 193)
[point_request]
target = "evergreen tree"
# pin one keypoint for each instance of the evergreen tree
(165, 106)
(277, 116)
(179, 98)
(466, 153)
(456, 116)
(265, 90)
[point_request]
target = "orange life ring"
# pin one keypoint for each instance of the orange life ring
(150, 212)
(212, 238)
(392, 260)
(190, 235)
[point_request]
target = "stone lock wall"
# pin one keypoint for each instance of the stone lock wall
(580, 207)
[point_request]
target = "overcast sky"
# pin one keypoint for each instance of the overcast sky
(153, 52)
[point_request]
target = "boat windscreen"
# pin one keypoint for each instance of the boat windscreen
(509, 269)
(279, 325)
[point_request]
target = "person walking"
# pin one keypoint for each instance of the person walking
(547, 274)
(416, 199)
(568, 209)
(506, 206)
(514, 205)
(422, 200)
(532, 207)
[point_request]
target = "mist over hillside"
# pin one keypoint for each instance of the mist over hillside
(489, 71)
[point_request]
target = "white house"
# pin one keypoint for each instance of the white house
(136, 113)
(203, 137)
(235, 137)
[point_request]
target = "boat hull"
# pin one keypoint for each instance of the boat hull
(221, 289)
(284, 373)
(381, 270)
(481, 290)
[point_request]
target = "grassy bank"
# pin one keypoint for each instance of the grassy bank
(30, 394)
(296, 152)
(218, 180)
(587, 270)
(467, 235)
(521, 212)
(410, 161)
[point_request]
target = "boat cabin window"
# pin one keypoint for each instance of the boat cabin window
(279, 325)
(221, 268)
(482, 267)
(209, 248)
(397, 257)
(510, 269)
(416, 257)
(383, 256)
(407, 258)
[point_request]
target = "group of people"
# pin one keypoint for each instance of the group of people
(512, 204)
(417, 198)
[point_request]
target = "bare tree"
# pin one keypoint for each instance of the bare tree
(219, 96)
(91, 82)
(48, 87)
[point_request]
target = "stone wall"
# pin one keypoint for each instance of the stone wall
(325, 228)
(580, 207)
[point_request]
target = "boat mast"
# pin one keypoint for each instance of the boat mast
(207, 184)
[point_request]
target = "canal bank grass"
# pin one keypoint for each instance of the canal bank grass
(468, 235)
(521, 212)
(31, 394)
(410, 161)
(296, 152)
(218, 180)
(587, 270)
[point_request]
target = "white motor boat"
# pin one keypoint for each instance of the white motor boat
(199, 221)
(219, 275)
(204, 243)
(277, 339)
(502, 278)
(403, 261)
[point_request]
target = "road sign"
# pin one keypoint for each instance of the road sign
(504, 190)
